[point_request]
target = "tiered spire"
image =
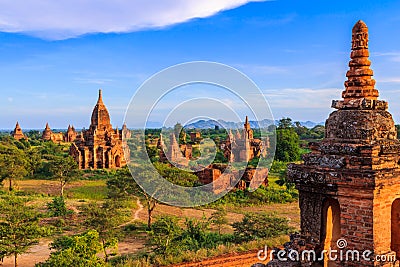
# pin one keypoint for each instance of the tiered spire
(17, 133)
(100, 116)
(360, 84)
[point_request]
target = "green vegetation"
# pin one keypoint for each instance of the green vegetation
(77, 250)
(260, 225)
(19, 227)
(58, 207)
(89, 190)
(96, 210)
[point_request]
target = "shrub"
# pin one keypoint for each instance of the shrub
(58, 208)
(260, 225)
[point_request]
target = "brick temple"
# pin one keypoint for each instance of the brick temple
(69, 136)
(243, 147)
(17, 133)
(100, 146)
(349, 183)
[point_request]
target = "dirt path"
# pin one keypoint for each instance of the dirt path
(229, 260)
(136, 214)
(37, 253)
(136, 217)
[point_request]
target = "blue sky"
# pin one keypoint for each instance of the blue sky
(54, 57)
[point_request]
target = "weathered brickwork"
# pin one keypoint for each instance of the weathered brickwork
(17, 133)
(357, 166)
(100, 146)
(49, 135)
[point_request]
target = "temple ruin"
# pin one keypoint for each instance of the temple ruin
(349, 183)
(100, 146)
(69, 136)
(17, 133)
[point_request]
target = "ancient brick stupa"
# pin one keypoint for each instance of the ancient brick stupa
(100, 146)
(349, 184)
(17, 133)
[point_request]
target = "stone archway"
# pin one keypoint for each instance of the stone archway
(395, 226)
(331, 227)
(117, 161)
(99, 158)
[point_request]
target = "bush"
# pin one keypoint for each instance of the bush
(58, 208)
(260, 225)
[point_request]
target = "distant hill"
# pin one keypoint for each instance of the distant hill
(210, 124)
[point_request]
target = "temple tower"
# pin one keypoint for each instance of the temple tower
(100, 146)
(17, 133)
(349, 183)
(46, 135)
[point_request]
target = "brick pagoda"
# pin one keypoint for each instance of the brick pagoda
(100, 146)
(349, 184)
(17, 133)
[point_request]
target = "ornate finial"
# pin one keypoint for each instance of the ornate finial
(100, 96)
(360, 84)
(246, 123)
(360, 36)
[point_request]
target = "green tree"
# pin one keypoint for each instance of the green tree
(19, 227)
(287, 142)
(260, 225)
(105, 219)
(78, 250)
(34, 161)
(219, 218)
(58, 207)
(13, 163)
(64, 170)
(123, 185)
(164, 234)
(285, 123)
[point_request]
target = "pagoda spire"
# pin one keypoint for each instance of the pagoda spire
(360, 83)
(100, 100)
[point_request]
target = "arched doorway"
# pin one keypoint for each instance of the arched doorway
(117, 161)
(395, 225)
(99, 157)
(331, 228)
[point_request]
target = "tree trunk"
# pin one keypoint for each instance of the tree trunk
(62, 189)
(104, 250)
(150, 217)
(10, 188)
(15, 260)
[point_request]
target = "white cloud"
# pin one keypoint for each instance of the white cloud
(302, 98)
(61, 19)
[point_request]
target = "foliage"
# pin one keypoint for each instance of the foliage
(260, 225)
(263, 195)
(124, 186)
(104, 219)
(169, 239)
(219, 218)
(78, 250)
(57, 207)
(19, 226)
(287, 142)
(13, 164)
(64, 170)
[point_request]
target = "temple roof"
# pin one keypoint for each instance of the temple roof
(100, 116)
(360, 83)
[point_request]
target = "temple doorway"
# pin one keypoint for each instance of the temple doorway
(395, 221)
(331, 228)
